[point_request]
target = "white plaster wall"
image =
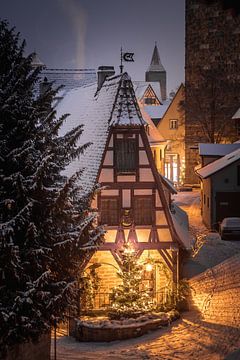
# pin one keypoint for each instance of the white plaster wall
(143, 159)
(108, 158)
(106, 175)
(126, 198)
(146, 175)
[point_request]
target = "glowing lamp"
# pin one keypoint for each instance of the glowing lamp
(149, 267)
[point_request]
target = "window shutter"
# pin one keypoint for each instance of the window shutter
(110, 211)
(125, 155)
(143, 210)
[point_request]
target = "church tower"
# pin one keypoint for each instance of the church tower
(157, 73)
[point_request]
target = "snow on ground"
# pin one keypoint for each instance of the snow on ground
(210, 249)
(186, 339)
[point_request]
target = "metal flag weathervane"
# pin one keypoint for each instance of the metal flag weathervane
(126, 56)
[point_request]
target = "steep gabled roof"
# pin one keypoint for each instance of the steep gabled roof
(126, 111)
(113, 105)
(218, 165)
(237, 114)
(156, 64)
(140, 88)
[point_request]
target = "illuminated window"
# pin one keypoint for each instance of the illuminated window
(173, 124)
(125, 155)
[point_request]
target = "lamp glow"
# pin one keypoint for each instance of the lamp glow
(149, 267)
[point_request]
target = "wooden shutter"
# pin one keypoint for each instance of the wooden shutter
(110, 211)
(125, 155)
(143, 210)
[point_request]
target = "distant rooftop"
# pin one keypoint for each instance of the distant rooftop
(219, 164)
(217, 149)
(69, 78)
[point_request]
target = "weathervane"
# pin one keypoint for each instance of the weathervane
(127, 56)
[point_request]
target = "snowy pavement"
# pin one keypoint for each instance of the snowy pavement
(186, 339)
(210, 249)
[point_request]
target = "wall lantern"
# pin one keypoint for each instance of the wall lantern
(148, 267)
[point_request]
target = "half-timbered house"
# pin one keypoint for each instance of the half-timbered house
(134, 202)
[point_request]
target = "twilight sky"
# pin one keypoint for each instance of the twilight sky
(89, 33)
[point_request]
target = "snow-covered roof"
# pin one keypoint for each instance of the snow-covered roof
(69, 78)
(154, 135)
(237, 114)
(169, 184)
(181, 224)
(141, 86)
(156, 111)
(219, 164)
(113, 105)
(217, 149)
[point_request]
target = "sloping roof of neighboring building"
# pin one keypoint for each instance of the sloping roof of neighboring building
(237, 114)
(219, 164)
(68, 78)
(169, 184)
(114, 104)
(140, 87)
(157, 111)
(209, 149)
(154, 135)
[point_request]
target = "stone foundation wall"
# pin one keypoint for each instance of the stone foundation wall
(29, 351)
(216, 293)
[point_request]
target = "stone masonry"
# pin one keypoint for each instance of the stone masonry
(215, 293)
(212, 52)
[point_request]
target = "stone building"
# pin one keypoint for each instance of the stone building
(212, 75)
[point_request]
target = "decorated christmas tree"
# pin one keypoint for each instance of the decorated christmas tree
(128, 300)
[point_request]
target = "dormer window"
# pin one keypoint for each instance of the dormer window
(125, 155)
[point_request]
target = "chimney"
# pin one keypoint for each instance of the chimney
(103, 72)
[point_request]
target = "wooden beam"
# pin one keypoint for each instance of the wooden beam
(138, 246)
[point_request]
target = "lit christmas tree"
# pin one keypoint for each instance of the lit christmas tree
(127, 299)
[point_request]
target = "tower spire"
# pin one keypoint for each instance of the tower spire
(156, 64)
(157, 73)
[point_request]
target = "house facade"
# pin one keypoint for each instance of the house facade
(172, 128)
(220, 189)
(134, 203)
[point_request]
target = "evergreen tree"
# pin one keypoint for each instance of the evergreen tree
(127, 299)
(45, 226)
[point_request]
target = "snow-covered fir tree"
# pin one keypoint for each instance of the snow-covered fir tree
(45, 227)
(127, 298)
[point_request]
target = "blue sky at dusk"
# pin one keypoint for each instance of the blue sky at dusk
(90, 33)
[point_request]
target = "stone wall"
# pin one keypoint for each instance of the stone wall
(215, 293)
(212, 75)
(29, 351)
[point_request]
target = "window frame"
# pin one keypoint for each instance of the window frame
(120, 170)
(171, 122)
(109, 197)
(149, 211)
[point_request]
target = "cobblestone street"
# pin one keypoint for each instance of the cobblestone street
(188, 338)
